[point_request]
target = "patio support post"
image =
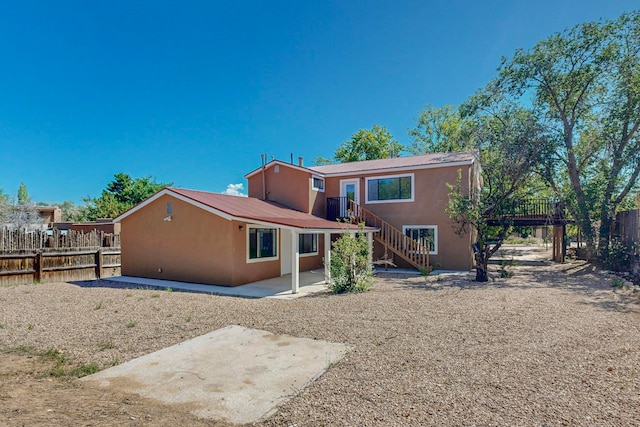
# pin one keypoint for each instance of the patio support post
(295, 262)
(327, 258)
(370, 256)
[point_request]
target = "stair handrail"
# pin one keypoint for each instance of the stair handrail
(406, 247)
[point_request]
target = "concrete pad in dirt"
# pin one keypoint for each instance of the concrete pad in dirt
(234, 374)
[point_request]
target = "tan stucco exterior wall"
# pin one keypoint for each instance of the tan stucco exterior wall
(288, 186)
(195, 246)
(292, 187)
(431, 196)
(244, 272)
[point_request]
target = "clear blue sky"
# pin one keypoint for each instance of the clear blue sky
(192, 92)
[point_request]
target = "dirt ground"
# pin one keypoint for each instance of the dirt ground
(552, 345)
(29, 396)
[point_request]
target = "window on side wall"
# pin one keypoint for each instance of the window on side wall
(262, 244)
(396, 188)
(308, 244)
(318, 183)
(426, 235)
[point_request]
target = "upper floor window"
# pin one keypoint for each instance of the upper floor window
(318, 183)
(262, 244)
(396, 188)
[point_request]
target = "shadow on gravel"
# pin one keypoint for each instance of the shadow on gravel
(578, 277)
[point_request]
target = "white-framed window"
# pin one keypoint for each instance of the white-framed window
(390, 188)
(262, 243)
(317, 183)
(427, 235)
(308, 244)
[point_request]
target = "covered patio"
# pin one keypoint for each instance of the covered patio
(309, 282)
(291, 259)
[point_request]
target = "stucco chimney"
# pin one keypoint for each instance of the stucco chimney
(300, 161)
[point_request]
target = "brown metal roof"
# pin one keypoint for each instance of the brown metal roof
(253, 209)
(433, 159)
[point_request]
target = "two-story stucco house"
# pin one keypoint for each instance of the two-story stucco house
(405, 197)
(289, 219)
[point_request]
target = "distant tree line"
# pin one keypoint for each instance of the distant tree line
(120, 194)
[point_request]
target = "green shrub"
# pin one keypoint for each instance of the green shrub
(617, 282)
(619, 256)
(426, 270)
(505, 270)
(350, 268)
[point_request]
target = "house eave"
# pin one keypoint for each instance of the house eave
(281, 163)
(168, 191)
(395, 169)
(229, 217)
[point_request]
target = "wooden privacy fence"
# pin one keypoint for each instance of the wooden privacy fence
(628, 226)
(19, 240)
(53, 256)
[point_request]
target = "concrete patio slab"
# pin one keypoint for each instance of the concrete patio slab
(277, 287)
(234, 374)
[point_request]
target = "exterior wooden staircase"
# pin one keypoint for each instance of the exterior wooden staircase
(391, 238)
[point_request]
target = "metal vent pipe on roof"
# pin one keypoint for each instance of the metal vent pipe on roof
(264, 184)
(301, 161)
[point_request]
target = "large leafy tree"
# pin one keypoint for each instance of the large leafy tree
(510, 141)
(71, 212)
(586, 83)
(365, 144)
(121, 194)
(440, 129)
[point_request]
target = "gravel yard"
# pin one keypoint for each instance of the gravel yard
(553, 345)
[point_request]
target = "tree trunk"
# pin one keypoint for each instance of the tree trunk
(482, 275)
(604, 237)
(482, 264)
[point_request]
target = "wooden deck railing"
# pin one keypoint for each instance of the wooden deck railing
(393, 239)
(337, 208)
(534, 208)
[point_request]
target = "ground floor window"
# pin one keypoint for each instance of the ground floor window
(427, 235)
(262, 243)
(308, 244)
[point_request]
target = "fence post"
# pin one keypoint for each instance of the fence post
(38, 266)
(99, 263)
